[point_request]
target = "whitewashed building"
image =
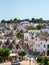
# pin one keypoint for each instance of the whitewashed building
(34, 31)
(37, 45)
(45, 30)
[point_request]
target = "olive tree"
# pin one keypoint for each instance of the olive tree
(22, 53)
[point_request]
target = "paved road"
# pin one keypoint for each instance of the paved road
(7, 63)
(22, 63)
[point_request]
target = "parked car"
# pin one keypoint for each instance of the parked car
(15, 63)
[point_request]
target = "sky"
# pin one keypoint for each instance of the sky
(21, 9)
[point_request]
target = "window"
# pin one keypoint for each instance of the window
(47, 52)
(32, 38)
(44, 45)
(48, 46)
(0, 44)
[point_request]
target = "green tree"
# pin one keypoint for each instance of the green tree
(48, 62)
(15, 19)
(39, 59)
(20, 34)
(3, 21)
(30, 28)
(45, 60)
(39, 26)
(22, 53)
(4, 53)
(1, 53)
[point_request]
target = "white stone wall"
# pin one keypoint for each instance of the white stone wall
(45, 30)
(39, 46)
(27, 36)
(34, 31)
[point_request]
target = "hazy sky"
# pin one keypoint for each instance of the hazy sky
(10, 9)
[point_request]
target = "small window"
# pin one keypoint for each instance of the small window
(44, 45)
(32, 37)
(48, 46)
(47, 52)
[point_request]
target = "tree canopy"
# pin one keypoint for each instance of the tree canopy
(38, 27)
(43, 60)
(22, 53)
(4, 53)
(33, 20)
